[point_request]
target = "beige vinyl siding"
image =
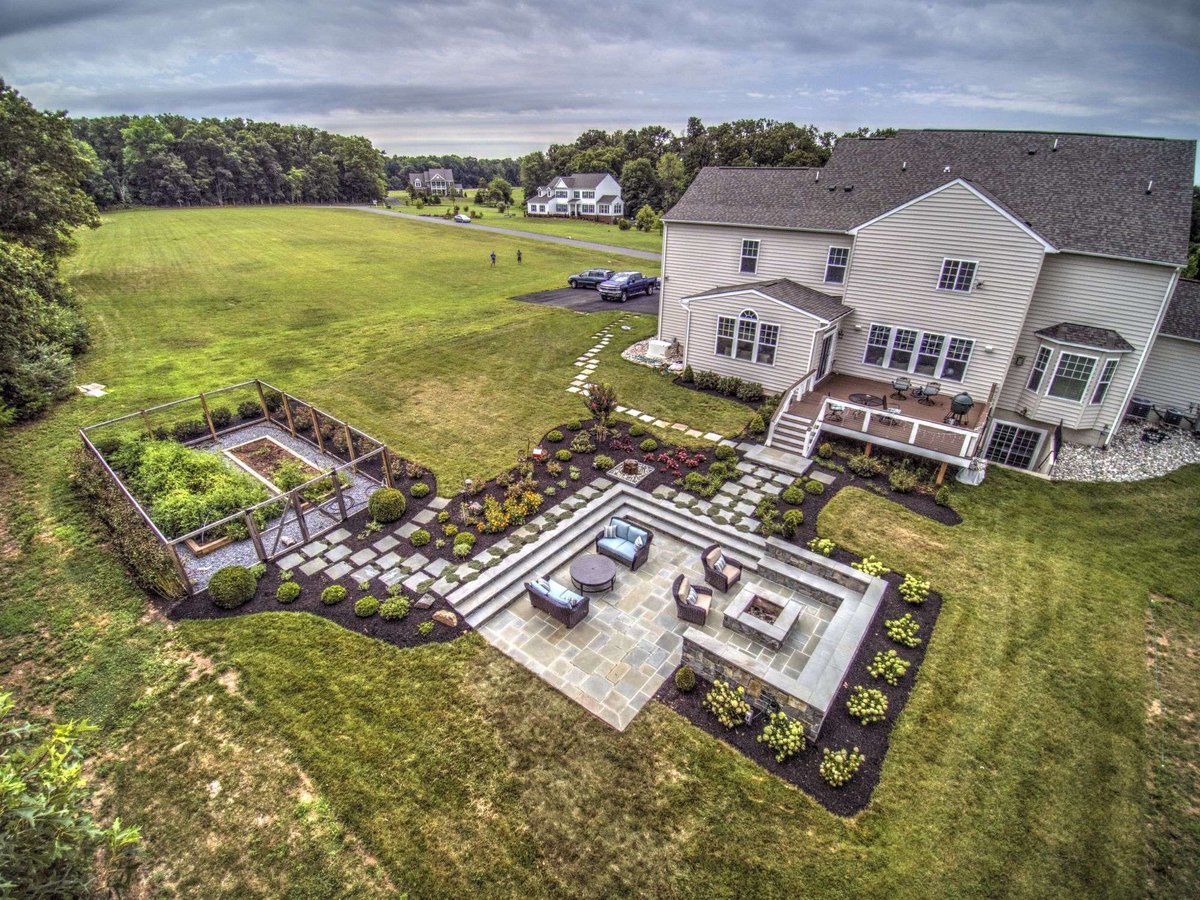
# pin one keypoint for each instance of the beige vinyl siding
(697, 258)
(1087, 290)
(893, 280)
(1172, 374)
(791, 356)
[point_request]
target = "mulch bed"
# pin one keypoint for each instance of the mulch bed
(839, 729)
(264, 456)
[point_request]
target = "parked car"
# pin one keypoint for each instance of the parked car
(591, 278)
(464, 219)
(624, 285)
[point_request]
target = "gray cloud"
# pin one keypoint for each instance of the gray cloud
(494, 76)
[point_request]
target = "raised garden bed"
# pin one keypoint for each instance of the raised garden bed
(839, 728)
(263, 456)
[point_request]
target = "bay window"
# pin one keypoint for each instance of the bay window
(1106, 378)
(1071, 377)
(1039, 368)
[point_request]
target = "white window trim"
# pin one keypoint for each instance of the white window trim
(1086, 394)
(1042, 433)
(742, 257)
(757, 336)
(844, 267)
(910, 369)
(1033, 369)
(960, 260)
(1115, 363)
(603, 207)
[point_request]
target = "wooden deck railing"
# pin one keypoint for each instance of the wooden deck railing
(952, 440)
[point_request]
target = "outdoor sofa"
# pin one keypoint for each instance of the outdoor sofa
(625, 541)
(560, 602)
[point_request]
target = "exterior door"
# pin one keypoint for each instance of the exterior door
(1013, 446)
(826, 358)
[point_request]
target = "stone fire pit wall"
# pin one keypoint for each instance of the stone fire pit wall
(712, 658)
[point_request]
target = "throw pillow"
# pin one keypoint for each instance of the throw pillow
(720, 564)
(639, 543)
(685, 588)
(610, 531)
(692, 597)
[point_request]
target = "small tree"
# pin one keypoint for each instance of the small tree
(601, 401)
(48, 839)
(646, 219)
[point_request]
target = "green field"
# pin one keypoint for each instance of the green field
(1039, 755)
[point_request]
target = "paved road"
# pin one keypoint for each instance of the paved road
(588, 300)
(512, 232)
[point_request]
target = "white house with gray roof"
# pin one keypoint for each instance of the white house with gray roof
(593, 195)
(439, 182)
(1016, 280)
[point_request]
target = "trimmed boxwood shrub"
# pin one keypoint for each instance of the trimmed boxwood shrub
(685, 679)
(649, 445)
(554, 436)
(750, 392)
(366, 607)
(563, 455)
(603, 462)
(814, 487)
(221, 416)
(757, 425)
(419, 490)
(249, 409)
(724, 452)
(942, 495)
(387, 505)
(333, 594)
(688, 375)
(792, 520)
(637, 429)
(394, 609)
(793, 494)
(419, 538)
(465, 537)
(232, 586)
(288, 592)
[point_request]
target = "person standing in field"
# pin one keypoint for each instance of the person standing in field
(493, 259)
(518, 257)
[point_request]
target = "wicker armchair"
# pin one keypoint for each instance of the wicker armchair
(696, 613)
(724, 578)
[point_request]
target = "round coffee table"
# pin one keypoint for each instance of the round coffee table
(593, 573)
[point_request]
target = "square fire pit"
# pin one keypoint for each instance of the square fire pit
(756, 614)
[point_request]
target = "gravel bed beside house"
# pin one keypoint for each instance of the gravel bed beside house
(1128, 457)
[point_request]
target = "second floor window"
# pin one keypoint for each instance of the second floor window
(749, 257)
(957, 275)
(835, 265)
(918, 352)
(589, 195)
(560, 193)
(1071, 377)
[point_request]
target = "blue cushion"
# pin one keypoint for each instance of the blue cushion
(621, 548)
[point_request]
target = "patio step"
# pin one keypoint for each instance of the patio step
(780, 458)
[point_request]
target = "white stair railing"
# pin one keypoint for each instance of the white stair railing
(796, 391)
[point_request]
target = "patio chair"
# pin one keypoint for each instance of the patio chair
(901, 385)
(561, 603)
(691, 601)
(721, 571)
(926, 394)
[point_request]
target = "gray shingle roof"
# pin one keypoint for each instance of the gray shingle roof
(1183, 312)
(585, 181)
(823, 306)
(1086, 336)
(607, 198)
(1087, 195)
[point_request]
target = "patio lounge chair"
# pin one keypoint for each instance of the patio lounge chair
(691, 601)
(625, 541)
(562, 603)
(721, 571)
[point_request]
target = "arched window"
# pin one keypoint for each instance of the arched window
(746, 338)
(746, 333)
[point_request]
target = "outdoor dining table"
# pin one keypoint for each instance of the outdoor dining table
(867, 400)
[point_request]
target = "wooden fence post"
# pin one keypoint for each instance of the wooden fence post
(262, 400)
(387, 467)
(252, 527)
(287, 411)
(350, 447)
(337, 492)
(146, 422)
(207, 416)
(312, 414)
(296, 502)
(180, 570)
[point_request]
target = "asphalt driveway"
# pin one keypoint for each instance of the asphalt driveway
(588, 300)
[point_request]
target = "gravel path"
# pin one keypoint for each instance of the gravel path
(1128, 457)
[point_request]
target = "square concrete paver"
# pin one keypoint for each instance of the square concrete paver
(338, 570)
(338, 553)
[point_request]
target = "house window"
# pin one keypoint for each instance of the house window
(1072, 376)
(1013, 446)
(835, 265)
(747, 339)
(589, 195)
(560, 193)
(749, 256)
(618, 208)
(903, 344)
(877, 344)
(1039, 368)
(589, 207)
(1106, 377)
(560, 207)
(957, 357)
(957, 275)
(930, 354)
(603, 209)
(417, 182)
(574, 195)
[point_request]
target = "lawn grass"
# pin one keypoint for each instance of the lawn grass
(346, 767)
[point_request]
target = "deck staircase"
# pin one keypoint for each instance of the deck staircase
(792, 434)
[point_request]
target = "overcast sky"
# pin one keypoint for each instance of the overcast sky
(502, 77)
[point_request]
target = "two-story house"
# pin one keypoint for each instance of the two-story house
(949, 294)
(590, 195)
(439, 182)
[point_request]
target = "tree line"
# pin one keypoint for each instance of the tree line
(655, 165)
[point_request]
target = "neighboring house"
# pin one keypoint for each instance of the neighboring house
(439, 182)
(1172, 374)
(595, 195)
(1027, 271)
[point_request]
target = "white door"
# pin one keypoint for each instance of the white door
(826, 358)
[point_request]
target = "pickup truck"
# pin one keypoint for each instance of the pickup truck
(590, 278)
(624, 285)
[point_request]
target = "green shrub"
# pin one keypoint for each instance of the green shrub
(942, 495)
(465, 537)
(871, 566)
(419, 490)
(387, 505)
(729, 385)
(750, 392)
(825, 450)
(462, 551)
(365, 607)
(574, 473)
(425, 628)
(637, 429)
(902, 479)
(687, 376)
(838, 766)
(189, 429)
(914, 589)
(221, 416)
(562, 455)
(867, 704)
(792, 520)
(864, 466)
(287, 592)
(550, 491)
(728, 704)
(757, 425)
(249, 409)
(783, 734)
(767, 408)
(685, 679)
(707, 380)
(555, 436)
(649, 445)
(419, 538)
(821, 545)
(814, 487)
(582, 443)
(232, 586)
(444, 516)
(793, 494)
(394, 608)
(603, 462)
(889, 666)
(553, 469)
(258, 570)
(724, 453)
(903, 630)
(574, 425)
(333, 595)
